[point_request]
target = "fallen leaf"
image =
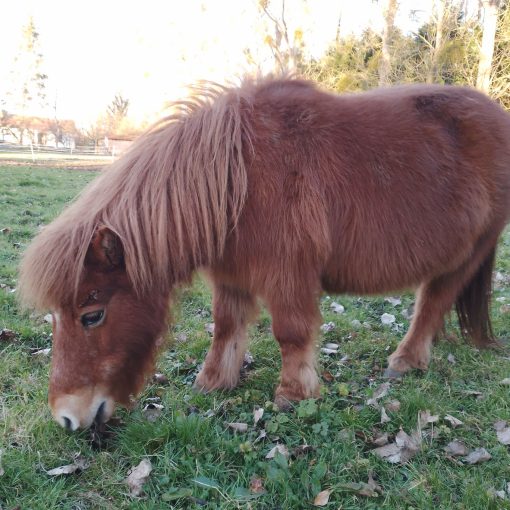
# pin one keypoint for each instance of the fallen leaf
(280, 448)
(80, 463)
(456, 449)
(504, 308)
(393, 406)
(257, 415)
(380, 439)
(387, 318)
(48, 318)
(137, 476)
(181, 338)
(42, 353)
(451, 359)
(5, 230)
(425, 418)
(210, 328)
(380, 392)
(257, 485)
(337, 307)
(159, 378)
(403, 449)
(329, 326)
(152, 411)
(492, 492)
(322, 498)
(477, 456)
(370, 489)
(395, 301)
(302, 449)
(7, 335)
(505, 381)
(384, 417)
(454, 422)
(328, 376)
(238, 427)
(329, 351)
(331, 346)
(248, 361)
(502, 431)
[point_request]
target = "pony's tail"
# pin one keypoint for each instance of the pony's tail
(473, 305)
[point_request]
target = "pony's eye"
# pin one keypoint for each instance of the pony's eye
(92, 319)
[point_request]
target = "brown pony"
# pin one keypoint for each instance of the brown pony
(278, 190)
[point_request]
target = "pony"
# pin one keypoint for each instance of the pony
(278, 191)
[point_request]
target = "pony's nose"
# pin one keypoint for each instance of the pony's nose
(80, 410)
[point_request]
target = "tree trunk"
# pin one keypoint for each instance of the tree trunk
(390, 10)
(490, 18)
(434, 69)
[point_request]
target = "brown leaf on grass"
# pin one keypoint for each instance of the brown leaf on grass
(380, 439)
(456, 449)
(328, 376)
(393, 406)
(137, 476)
(502, 431)
(80, 463)
(370, 489)
(209, 327)
(160, 379)
(322, 498)
(5, 230)
(454, 422)
(402, 450)
(425, 418)
(152, 411)
(238, 427)
(7, 335)
(280, 448)
(257, 415)
(302, 449)
(380, 392)
(257, 485)
(478, 456)
(384, 417)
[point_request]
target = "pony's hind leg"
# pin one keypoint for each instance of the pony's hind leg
(295, 330)
(232, 310)
(469, 287)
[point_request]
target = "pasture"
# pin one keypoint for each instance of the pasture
(198, 460)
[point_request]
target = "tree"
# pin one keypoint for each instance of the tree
(27, 90)
(116, 114)
(490, 18)
(390, 11)
(435, 50)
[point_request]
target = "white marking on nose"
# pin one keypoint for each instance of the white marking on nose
(79, 409)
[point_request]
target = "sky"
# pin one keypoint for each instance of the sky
(149, 51)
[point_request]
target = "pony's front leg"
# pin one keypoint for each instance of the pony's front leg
(232, 310)
(295, 329)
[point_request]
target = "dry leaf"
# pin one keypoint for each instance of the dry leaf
(42, 353)
(248, 360)
(280, 448)
(158, 378)
(379, 393)
(257, 415)
(322, 498)
(451, 359)
(80, 463)
(502, 431)
(380, 439)
(329, 351)
(302, 449)
(210, 328)
(137, 476)
(337, 307)
(238, 427)
(384, 417)
(425, 418)
(328, 326)
(454, 422)
(370, 489)
(48, 318)
(403, 449)
(477, 456)
(387, 319)
(331, 346)
(393, 406)
(256, 485)
(456, 449)
(7, 335)
(152, 411)
(395, 301)
(5, 230)
(505, 381)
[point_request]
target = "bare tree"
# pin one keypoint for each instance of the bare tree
(441, 10)
(390, 10)
(490, 19)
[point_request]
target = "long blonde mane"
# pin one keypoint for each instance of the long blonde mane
(171, 200)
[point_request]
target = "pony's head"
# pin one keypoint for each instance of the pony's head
(104, 339)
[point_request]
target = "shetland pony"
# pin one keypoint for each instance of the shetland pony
(279, 191)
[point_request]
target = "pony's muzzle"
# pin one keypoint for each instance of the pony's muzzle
(79, 410)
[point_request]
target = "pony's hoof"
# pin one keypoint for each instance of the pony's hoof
(390, 373)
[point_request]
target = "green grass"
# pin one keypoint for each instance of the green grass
(186, 443)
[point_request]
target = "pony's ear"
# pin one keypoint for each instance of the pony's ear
(105, 250)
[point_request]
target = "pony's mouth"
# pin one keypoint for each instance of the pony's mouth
(100, 414)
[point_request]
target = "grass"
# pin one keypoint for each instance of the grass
(197, 461)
